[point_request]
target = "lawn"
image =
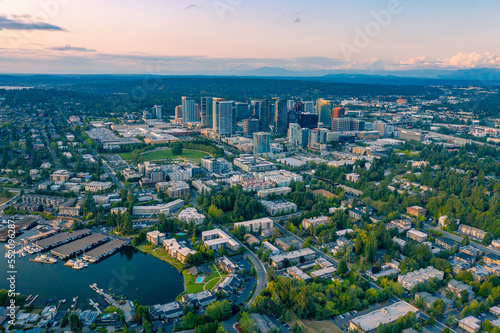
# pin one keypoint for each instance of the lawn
(126, 156)
(314, 326)
(190, 155)
(208, 283)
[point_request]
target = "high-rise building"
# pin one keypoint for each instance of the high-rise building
(188, 109)
(250, 126)
(261, 143)
(357, 125)
(280, 117)
(266, 115)
(304, 138)
(347, 124)
(223, 117)
(317, 135)
(298, 106)
(255, 109)
(157, 111)
(380, 127)
(294, 134)
(197, 115)
(309, 106)
(178, 112)
(324, 108)
(341, 124)
(307, 119)
(338, 112)
(241, 111)
(289, 104)
(206, 112)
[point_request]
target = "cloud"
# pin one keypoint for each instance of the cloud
(297, 20)
(68, 47)
(459, 60)
(25, 22)
(192, 6)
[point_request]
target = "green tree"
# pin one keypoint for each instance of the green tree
(342, 270)
(247, 324)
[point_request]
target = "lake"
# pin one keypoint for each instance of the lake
(129, 272)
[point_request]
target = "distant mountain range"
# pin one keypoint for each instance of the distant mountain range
(479, 76)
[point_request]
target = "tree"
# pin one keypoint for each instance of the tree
(75, 323)
(342, 270)
(465, 240)
(247, 324)
(177, 148)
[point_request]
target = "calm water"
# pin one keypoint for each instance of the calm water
(14, 87)
(133, 274)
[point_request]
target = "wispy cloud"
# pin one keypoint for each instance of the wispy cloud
(68, 47)
(459, 60)
(192, 6)
(25, 22)
(297, 20)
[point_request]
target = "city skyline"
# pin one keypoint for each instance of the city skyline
(210, 37)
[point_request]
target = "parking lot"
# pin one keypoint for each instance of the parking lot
(342, 321)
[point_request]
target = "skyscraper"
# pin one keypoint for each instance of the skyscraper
(178, 112)
(289, 104)
(197, 115)
(188, 109)
(266, 115)
(341, 124)
(157, 111)
(255, 109)
(223, 117)
(324, 108)
(241, 111)
(250, 126)
(206, 112)
(309, 106)
(304, 139)
(261, 143)
(338, 112)
(294, 134)
(307, 119)
(280, 116)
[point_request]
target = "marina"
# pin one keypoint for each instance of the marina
(78, 246)
(44, 259)
(21, 225)
(104, 250)
(60, 239)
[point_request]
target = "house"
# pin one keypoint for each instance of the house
(227, 265)
(202, 298)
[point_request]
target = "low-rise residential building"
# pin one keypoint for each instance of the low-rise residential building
(287, 243)
(167, 209)
(430, 299)
(324, 273)
(256, 225)
(480, 273)
(314, 222)
(60, 176)
(472, 232)
(471, 324)
(174, 188)
(445, 243)
(471, 250)
(370, 321)
(277, 191)
(293, 257)
(416, 211)
(190, 214)
(177, 250)
(274, 250)
(203, 298)
(279, 208)
(217, 238)
(228, 284)
(352, 177)
(457, 287)
(297, 273)
(166, 311)
(416, 235)
(402, 225)
(155, 237)
(98, 186)
(491, 258)
(227, 265)
(496, 243)
(250, 163)
(410, 280)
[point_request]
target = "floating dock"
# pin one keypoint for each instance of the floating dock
(60, 239)
(25, 223)
(78, 246)
(42, 235)
(107, 297)
(104, 250)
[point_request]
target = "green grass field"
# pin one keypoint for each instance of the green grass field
(190, 155)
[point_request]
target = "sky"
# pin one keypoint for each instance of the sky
(234, 36)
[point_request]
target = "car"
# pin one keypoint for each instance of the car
(354, 311)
